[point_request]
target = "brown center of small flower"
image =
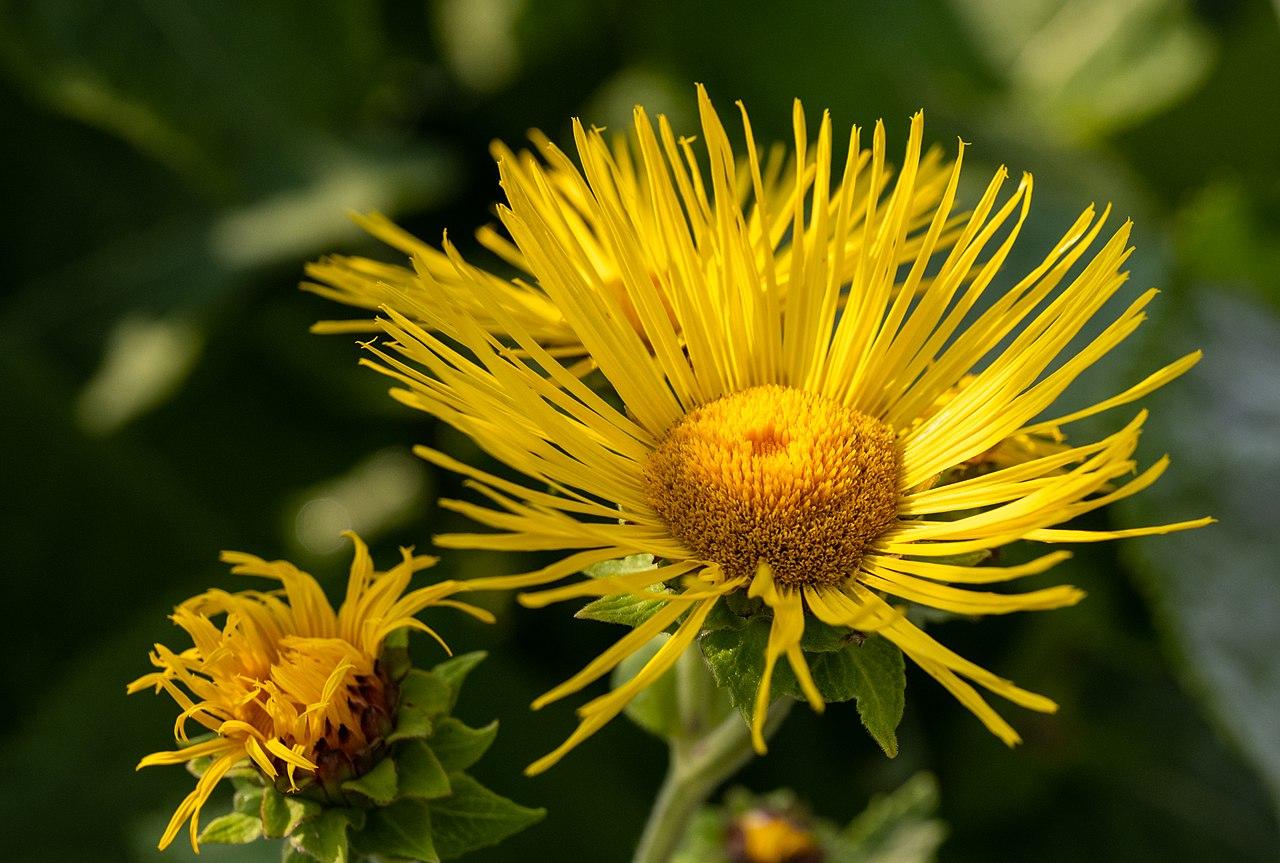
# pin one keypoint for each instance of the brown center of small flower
(777, 475)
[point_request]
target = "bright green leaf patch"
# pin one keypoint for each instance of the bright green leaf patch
(624, 609)
(234, 828)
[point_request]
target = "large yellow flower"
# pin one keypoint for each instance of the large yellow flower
(824, 449)
(285, 682)
(433, 282)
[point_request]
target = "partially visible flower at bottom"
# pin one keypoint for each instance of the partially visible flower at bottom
(285, 682)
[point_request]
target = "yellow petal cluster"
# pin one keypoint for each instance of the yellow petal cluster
(840, 284)
(281, 680)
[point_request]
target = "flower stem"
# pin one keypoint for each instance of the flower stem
(701, 758)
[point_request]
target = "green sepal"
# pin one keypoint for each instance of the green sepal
(234, 828)
(378, 786)
(282, 813)
(400, 831)
(395, 659)
(454, 671)
(289, 854)
(424, 696)
(654, 708)
(475, 817)
(422, 775)
(248, 800)
(457, 746)
(410, 725)
(323, 837)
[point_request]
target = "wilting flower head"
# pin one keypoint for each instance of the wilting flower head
(826, 449)
(284, 681)
(433, 282)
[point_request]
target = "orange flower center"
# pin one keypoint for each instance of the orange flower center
(781, 476)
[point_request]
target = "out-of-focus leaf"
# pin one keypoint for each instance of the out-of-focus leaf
(898, 827)
(1216, 591)
(1087, 67)
(655, 708)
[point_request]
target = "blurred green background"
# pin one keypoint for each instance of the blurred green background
(168, 167)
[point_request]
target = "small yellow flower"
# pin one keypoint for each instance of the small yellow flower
(765, 836)
(285, 682)
(433, 283)
(826, 425)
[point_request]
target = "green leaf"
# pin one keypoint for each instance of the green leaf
(1219, 422)
(736, 660)
(400, 831)
(822, 637)
(622, 566)
(454, 671)
(378, 785)
(457, 746)
(873, 673)
(474, 817)
(625, 609)
(282, 813)
(410, 724)
(234, 828)
(324, 837)
(728, 613)
(421, 774)
(898, 827)
(655, 708)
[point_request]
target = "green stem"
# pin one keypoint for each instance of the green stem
(700, 760)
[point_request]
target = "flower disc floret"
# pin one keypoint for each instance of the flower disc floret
(780, 476)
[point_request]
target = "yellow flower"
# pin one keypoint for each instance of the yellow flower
(816, 450)
(433, 283)
(285, 682)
